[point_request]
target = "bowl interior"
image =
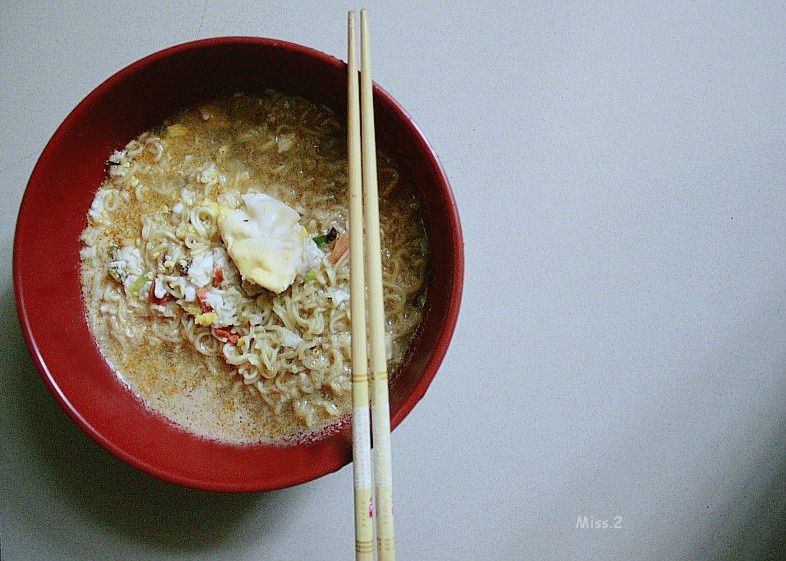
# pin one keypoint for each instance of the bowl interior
(46, 266)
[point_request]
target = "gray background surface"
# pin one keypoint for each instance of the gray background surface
(620, 174)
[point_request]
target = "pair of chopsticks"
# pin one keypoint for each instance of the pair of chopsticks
(366, 272)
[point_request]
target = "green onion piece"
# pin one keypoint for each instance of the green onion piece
(115, 275)
(311, 275)
(137, 285)
(325, 239)
(192, 308)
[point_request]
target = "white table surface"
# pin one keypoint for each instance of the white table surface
(621, 179)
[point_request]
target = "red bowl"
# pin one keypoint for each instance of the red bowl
(53, 215)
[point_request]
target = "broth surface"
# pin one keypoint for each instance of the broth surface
(217, 355)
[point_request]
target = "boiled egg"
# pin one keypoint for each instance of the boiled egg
(266, 242)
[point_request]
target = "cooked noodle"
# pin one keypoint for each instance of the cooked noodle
(153, 236)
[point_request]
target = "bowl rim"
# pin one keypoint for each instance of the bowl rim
(408, 401)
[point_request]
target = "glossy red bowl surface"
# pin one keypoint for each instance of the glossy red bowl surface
(53, 215)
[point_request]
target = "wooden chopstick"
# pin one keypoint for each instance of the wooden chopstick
(361, 436)
(365, 251)
(380, 406)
